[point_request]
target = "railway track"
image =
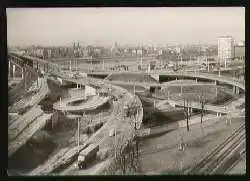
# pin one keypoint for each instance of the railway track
(213, 163)
(235, 160)
(230, 158)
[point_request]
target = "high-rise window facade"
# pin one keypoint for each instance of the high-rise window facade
(225, 48)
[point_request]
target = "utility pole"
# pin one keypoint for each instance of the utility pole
(22, 73)
(78, 125)
(52, 123)
(76, 64)
(181, 60)
(141, 60)
(219, 65)
(137, 144)
(115, 143)
(181, 87)
(9, 70)
(14, 69)
(37, 81)
(25, 77)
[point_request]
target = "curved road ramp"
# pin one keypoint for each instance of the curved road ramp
(93, 103)
(67, 157)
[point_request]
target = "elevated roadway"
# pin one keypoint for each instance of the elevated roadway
(115, 120)
(34, 62)
(192, 74)
(93, 103)
(33, 99)
(206, 76)
(222, 69)
(22, 129)
(197, 105)
(118, 121)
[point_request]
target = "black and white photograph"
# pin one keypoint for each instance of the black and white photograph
(126, 91)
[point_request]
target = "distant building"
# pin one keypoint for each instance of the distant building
(134, 51)
(49, 53)
(139, 52)
(225, 48)
(125, 50)
(114, 47)
(241, 43)
(84, 53)
(160, 52)
(239, 52)
(204, 48)
(178, 50)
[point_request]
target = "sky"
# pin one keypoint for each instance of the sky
(133, 26)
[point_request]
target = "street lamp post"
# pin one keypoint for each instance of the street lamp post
(78, 134)
(115, 143)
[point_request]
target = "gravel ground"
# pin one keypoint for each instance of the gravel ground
(239, 168)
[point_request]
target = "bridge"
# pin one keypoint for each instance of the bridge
(107, 72)
(197, 105)
(34, 62)
(236, 84)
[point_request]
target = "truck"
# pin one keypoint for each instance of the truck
(87, 155)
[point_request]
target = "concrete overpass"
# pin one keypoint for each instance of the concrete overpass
(108, 72)
(197, 105)
(52, 67)
(101, 137)
(193, 75)
(237, 84)
(22, 129)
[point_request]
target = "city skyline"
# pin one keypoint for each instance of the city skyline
(126, 26)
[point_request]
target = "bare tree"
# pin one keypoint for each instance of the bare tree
(124, 156)
(119, 157)
(132, 112)
(186, 105)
